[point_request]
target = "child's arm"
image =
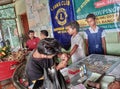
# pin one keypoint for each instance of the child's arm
(104, 45)
(61, 65)
(86, 42)
(73, 50)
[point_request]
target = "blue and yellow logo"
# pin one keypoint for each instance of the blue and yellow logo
(61, 16)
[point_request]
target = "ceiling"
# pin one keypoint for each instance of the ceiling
(4, 2)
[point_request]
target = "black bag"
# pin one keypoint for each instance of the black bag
(52, 80)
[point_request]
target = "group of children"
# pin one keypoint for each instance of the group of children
(94, 39)
(48, 48)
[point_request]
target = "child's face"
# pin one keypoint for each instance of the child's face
(63, 56)
(69, 30)
(91, 22)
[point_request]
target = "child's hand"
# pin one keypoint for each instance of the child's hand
(114, 85)
(61, 65)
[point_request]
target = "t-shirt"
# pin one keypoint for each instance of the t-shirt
(34, 67)
(80, 52)
(32, 43)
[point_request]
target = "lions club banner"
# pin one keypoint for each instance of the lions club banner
(61, 13)
(107, 12)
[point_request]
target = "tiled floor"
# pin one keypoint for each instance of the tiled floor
(7, 84)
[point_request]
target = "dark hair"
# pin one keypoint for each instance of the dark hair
(49, 46)
(44, 32)
(74, 24)
(91, 16)
(30, 31)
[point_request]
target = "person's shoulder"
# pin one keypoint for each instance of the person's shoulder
(36, 38)
(79, 35)
(86, 30)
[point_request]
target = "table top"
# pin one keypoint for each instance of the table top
(96, 63)
(101, 63)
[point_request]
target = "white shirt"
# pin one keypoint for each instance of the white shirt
(94, 31)
(80, 52)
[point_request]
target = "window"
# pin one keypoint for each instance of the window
(8, 25)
